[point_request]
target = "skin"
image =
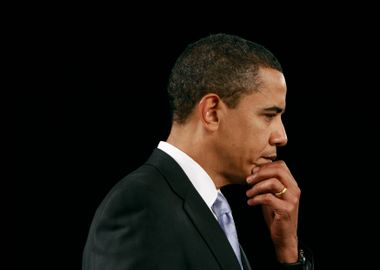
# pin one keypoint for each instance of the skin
(241, 145)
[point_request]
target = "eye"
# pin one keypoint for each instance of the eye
(270, 116)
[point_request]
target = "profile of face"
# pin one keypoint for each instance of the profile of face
(249, 134)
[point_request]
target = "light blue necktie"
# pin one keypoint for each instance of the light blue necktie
(222, 211)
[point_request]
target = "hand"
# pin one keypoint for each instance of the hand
(281, 210)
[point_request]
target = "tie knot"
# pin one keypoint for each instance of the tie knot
(221, 206)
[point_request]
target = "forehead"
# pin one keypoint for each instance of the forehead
(271, 92)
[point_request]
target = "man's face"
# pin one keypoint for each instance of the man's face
(251, 132)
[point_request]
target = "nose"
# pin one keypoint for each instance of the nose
(278, 137)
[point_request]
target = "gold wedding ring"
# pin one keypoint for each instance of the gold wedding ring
(279, 194)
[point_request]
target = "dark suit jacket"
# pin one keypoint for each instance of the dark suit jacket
(155, 219)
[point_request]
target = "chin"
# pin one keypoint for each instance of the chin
(234, 179)
(240, 180)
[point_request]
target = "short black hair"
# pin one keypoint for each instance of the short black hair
(224, 64)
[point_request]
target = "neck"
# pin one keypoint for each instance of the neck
(193, 140)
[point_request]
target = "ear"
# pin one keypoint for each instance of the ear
(209, 111)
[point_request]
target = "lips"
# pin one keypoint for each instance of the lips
(265, 159)
(270, 157)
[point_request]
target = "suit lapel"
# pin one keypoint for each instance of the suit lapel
(196, 209)
(244, 260)
(211, 231)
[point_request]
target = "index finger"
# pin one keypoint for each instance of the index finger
(276, 169)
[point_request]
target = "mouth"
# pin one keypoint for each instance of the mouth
(265, 159)
(270, 157)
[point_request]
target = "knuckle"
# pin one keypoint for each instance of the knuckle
(297, 192)
(273, 184)
(267, 197)
(281, 163)
(294, 201)
(289, 208)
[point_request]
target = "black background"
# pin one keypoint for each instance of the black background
(87, 105)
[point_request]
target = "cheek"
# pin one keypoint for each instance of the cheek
(233, 143)
(256, 141)
(252, 153)
(246, 144)
(244, 138)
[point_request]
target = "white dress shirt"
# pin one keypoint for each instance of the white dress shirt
(197, 175)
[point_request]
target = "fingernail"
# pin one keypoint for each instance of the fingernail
(255, 170)
(250, 178)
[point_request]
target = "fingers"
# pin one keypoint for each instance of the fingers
(272, 184)
(275, 189)
(270, 199)
(263, 192)
(277, 169)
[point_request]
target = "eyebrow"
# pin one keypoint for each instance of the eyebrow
(275, 109)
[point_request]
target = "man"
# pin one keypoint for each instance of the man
(227, 96)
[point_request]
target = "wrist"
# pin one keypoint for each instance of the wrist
(289, 252)
(298, 264)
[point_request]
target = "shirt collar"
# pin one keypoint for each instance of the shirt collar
(197, 175)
